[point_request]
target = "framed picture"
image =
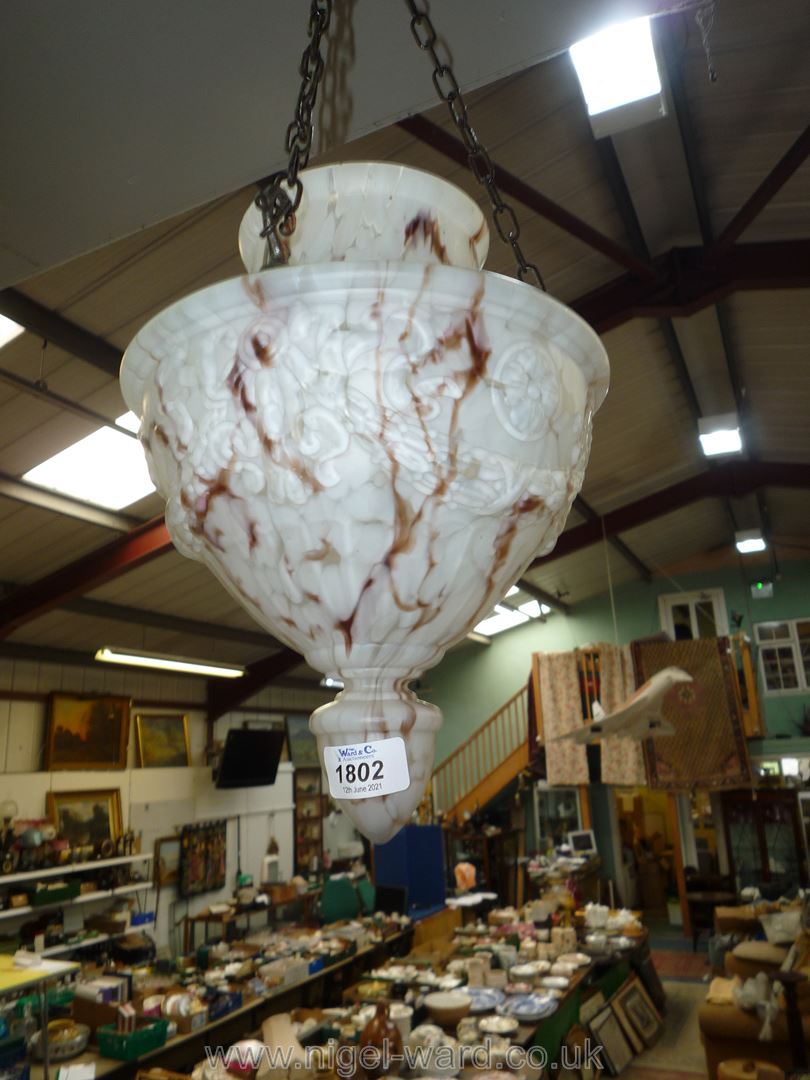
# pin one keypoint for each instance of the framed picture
(203, 853)
(582, 1055)
(162, 740)
(616, 1052)
(633, 1006)
(86, 732)
(590, 1007)
(167, 861)
(303, 747)
(86, 817)
(632, 1036)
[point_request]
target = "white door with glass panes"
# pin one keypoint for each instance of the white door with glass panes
(689, 615)
(784, 656)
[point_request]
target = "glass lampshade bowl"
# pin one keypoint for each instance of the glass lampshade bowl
(368, 451)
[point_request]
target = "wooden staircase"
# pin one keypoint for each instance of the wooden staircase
(484, 764)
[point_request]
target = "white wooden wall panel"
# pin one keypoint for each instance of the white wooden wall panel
(154, 801)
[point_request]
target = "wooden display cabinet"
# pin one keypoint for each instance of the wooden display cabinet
(308, 818)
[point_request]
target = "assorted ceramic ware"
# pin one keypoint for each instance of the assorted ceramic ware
(530, 1008)
(485, 999)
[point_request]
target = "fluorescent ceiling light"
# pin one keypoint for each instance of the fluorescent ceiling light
(106, 468)
(512, 591)
(720, 434)
(617, 66)
(136, 658)
(331, 683)
(749, 541)
(503, 618)
(9, 330)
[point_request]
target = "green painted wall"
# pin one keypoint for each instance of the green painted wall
(473, 682)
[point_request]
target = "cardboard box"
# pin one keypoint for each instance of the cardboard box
(94, 1014)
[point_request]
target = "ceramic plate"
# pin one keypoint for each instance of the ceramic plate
(529, 1008)
(555, 982)
(485, 999)
(578, 959)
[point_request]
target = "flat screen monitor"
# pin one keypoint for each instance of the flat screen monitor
(582, 842)
(250, 758)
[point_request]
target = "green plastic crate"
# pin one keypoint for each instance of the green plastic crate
(122, 1046)
(39, 897)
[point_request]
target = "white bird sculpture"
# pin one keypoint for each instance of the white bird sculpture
(637, 718)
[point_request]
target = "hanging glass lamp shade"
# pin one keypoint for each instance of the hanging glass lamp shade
(367, 447)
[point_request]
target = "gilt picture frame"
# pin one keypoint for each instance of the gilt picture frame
(86, 817)
(86, 732)
(162, 740)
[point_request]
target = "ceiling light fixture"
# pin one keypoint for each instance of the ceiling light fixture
(719, 434)
(749, 541)
(503, 618)
(106, 468)
(109, 654)
(9, 330)
(618, 72)
(331, 683)
(368, 436)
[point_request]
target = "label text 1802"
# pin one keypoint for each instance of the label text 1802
(361, 773)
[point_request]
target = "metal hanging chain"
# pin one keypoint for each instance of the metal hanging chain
(280, 197)
(506, 222)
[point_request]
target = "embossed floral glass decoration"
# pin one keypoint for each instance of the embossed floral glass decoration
(369, 445)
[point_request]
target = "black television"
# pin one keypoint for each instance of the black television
(250, 757)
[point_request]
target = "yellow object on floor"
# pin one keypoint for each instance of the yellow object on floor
(721, 991)
(748, 1070)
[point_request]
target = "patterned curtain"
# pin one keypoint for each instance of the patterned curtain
(566, 763)
(708, 749)
(622, 759)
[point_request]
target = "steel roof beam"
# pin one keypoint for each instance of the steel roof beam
(543, 597)
(11, 487)
(728, 480)
(776, 178)
(688, 284)
(223, 696)
(588, 512)
(135, 548)
(441, 140)
(58, 330)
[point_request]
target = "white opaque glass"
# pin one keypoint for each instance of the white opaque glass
(364, 453)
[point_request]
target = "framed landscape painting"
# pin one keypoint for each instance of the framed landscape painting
(162, 740)
(86, 732)
(302, 744)
(86, 817)
(167, 861)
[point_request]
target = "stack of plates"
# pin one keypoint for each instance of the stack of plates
(529, 1009)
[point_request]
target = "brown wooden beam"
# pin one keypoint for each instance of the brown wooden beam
(223, 697)
(688, 284)
(776, 178)
(728, 480)
(141, 545)
(441, 140)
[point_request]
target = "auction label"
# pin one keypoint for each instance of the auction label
(362, 770)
